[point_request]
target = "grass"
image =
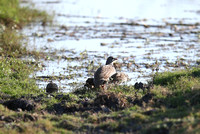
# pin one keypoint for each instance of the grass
(173, 109)
(14, 74)
(11, 14)
(168, 110)
(168, 78)
(12, 18)
(14, 77)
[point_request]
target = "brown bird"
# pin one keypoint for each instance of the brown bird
(119, 78)
(103, 74)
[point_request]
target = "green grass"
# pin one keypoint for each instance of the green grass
(14, 77)
(14, 73)
(12, 14)
(169, 78)
(12, 18)
(11, 44)
(172, 109)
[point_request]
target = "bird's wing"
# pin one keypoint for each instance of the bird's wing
(119, 77)
(105, 72)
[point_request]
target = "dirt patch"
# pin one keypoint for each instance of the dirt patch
(111, 100)
(18, 117)
(23, 104)
(67, 125)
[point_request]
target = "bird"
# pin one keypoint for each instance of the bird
(119, 78)
(115, 79)
(51, 87)
(103, 73)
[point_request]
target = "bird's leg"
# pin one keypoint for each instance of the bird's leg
(136, 93)
(103, 87)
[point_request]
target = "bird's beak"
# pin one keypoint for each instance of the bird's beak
(114, 60)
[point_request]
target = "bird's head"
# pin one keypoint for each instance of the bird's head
(110, 60)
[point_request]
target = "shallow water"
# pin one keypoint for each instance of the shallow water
(143, 35)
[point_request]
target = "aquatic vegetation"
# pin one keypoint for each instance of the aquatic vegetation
(12, 14)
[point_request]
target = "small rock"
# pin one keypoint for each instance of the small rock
(28, 117)
(89, 83)
(105, 109)
(50, 40)
(67, 125)
(64, 27)
(104, 44)
(139, 85)
(146, 98)
(8, 119)
(51, 87)
(19, 110)
(19, 128)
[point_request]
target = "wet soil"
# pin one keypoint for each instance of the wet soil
(77, 45)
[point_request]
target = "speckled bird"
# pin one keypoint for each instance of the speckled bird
(119, 78)
(115, 79)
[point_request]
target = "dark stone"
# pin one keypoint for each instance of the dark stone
(161, 130)
(89, 83)
(58, 108)
(136, 86)
(18, 128)
(8, 119)
(149, 112)
(137, 102)
(147, 97)
(67, 125)
(23, 104)
(28, 117)
(62, 97)
(105, 109)
(139, 85)
(51, 88)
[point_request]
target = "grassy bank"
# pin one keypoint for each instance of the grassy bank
(14, 74)
(169, 107)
